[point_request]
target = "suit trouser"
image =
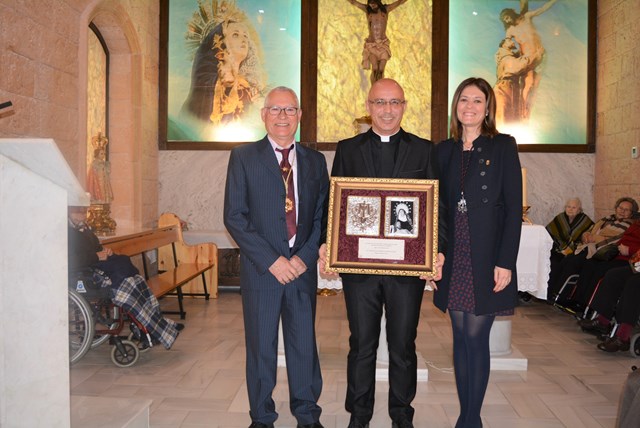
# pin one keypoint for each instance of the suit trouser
(262, 310)
(365, 297)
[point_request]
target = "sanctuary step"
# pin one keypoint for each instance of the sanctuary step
(103, 412)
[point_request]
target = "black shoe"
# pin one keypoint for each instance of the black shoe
(144, 344)
(593, 327)
(614, 344)
(402, 424)
(313, 425)
(355, 424)
(260, 425)
(179, 326)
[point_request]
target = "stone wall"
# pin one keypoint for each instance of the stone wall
(43, 55)
(618, 104)
(192, 184)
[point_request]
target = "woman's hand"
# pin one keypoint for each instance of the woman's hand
(501, 278)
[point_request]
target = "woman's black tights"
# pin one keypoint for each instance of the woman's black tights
(472, 363)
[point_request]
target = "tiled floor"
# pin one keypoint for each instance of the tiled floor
(200, 381)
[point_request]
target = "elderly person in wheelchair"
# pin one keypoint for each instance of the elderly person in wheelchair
(128, 289)
(604, 246)
(618, 296)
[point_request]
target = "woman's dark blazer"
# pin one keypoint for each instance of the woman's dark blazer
(493, 191)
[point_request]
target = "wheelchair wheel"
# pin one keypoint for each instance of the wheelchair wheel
(125, 355)
(634, 348)
(81, 328)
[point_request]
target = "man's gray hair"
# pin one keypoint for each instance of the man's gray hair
(283, 89)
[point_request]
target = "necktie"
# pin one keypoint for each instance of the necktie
(290, 201)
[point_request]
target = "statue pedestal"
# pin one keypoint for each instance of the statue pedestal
(99, 218)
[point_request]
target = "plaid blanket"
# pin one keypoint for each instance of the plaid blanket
(133, 294)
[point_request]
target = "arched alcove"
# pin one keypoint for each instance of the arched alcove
(125, 107)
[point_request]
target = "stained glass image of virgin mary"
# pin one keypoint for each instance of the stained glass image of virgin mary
(227, 78)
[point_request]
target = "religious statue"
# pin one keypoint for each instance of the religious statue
(377, 48)
(99, 176)
(99, 186)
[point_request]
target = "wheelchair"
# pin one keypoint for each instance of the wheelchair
(566, 290)
(634, 341)
(94, 319)
(634, 346)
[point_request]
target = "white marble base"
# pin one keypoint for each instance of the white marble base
(36, 184)
(512, 361)
(382, 370)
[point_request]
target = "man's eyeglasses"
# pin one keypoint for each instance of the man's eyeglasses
(289, 111)
(381, 103)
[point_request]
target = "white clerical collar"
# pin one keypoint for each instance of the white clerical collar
(385, 138)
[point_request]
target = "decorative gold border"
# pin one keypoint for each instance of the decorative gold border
(431, 190)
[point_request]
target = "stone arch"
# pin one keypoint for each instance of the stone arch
(125, 106)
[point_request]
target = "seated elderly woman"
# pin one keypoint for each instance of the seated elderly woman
(128, 289)
(600, 247)
(566, 229)
(619, 296)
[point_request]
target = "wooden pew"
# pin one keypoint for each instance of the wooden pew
(198, 253)
(170, 277)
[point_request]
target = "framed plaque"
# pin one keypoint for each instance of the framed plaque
(382, 226)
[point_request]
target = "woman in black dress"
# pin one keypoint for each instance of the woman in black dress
(481, 183)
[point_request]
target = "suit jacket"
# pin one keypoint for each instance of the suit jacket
(416, 158)
(493, 191)
(254, 212)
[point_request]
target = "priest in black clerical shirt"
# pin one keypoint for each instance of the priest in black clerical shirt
(385, 151)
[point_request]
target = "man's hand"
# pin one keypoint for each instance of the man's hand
(283, 270)
(501, 278)
(298, 265)
(322, 264)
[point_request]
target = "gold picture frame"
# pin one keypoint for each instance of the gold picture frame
(383, 226)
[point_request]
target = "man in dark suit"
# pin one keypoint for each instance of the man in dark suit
(273, 206)
(385, 151)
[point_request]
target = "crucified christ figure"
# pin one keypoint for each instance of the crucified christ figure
(519, 26)
(377, 50)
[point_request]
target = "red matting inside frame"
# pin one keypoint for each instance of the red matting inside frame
(414, 249)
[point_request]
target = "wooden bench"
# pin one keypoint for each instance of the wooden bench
(171, 277)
